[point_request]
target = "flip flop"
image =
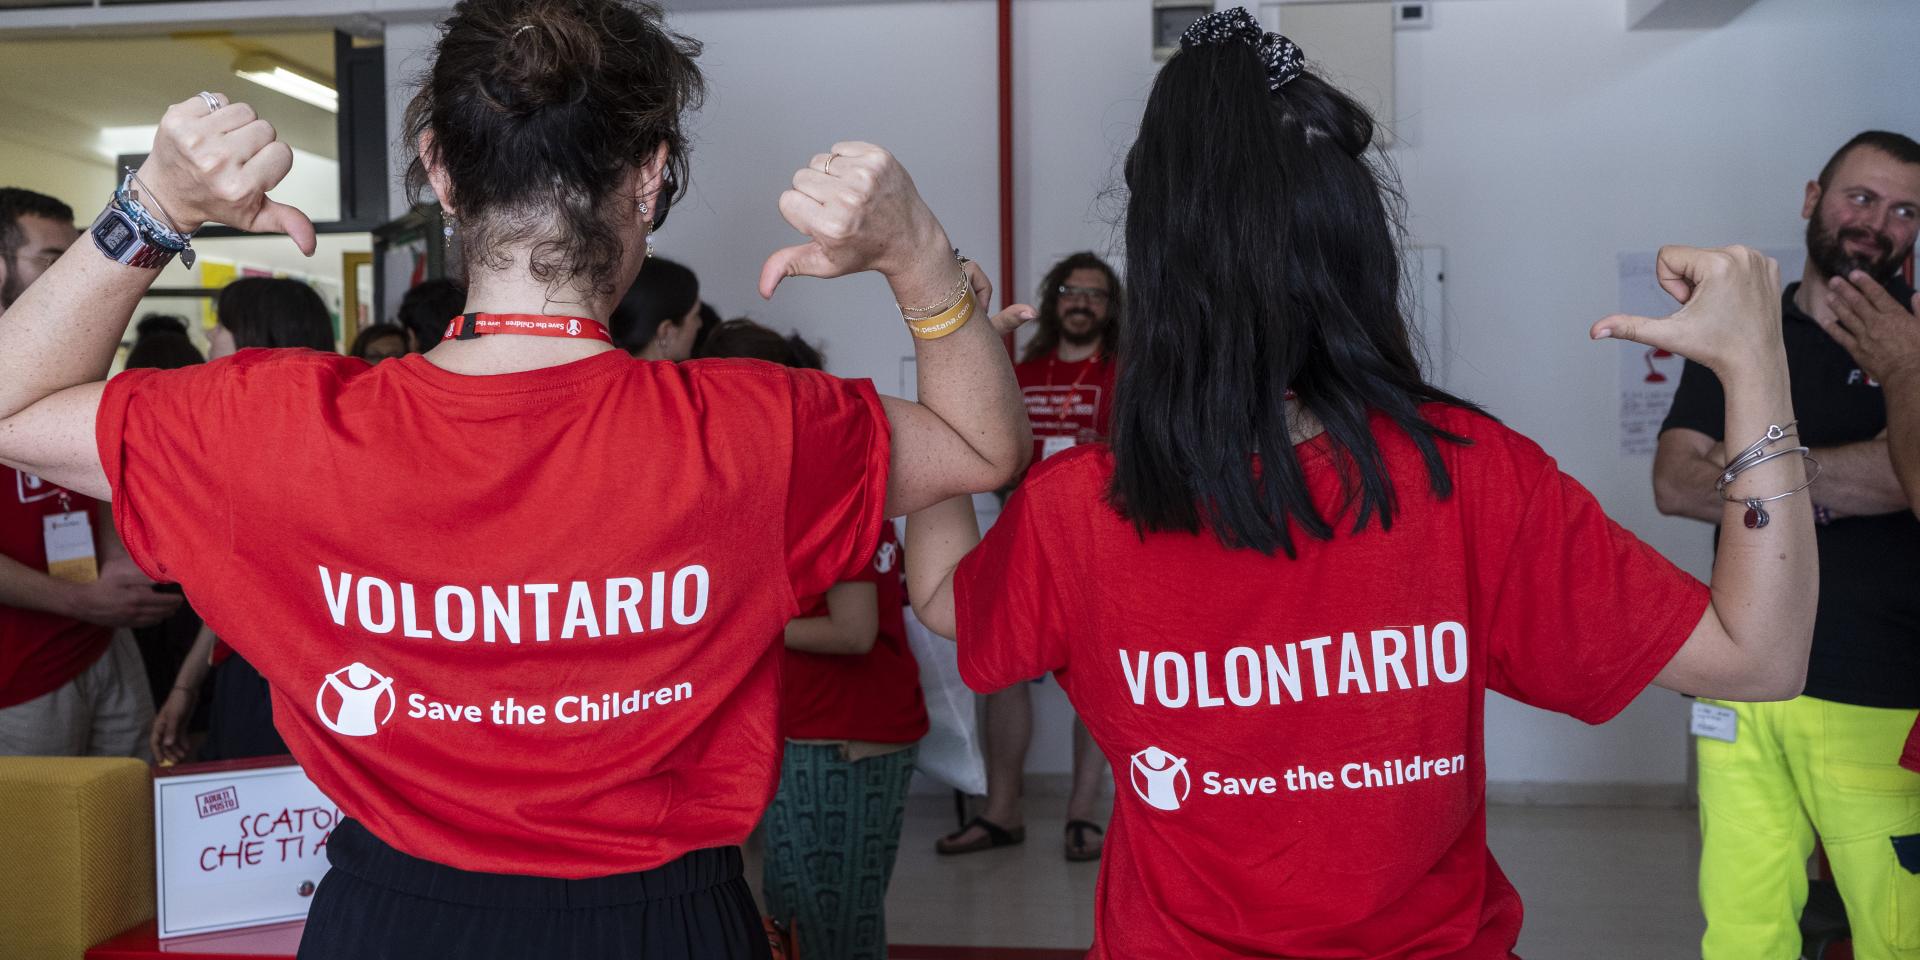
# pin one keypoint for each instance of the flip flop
(1077, 849)
(993, 835)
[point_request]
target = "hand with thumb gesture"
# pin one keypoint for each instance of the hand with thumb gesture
(1729, 318)
(213, 165)
(860, 211)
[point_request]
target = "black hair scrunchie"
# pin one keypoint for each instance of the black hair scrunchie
(1282, 57)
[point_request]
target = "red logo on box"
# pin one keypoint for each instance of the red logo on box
(222, 800)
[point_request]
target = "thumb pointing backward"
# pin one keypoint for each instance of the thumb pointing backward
(277, 217)
(800, 260)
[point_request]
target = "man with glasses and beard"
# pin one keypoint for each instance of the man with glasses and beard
(1773, 775)
(1066, 375)
(70, 685)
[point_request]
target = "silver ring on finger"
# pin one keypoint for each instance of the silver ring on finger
(827, 168)
(212, 101)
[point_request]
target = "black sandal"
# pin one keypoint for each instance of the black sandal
(1077, 849)
(993, 835)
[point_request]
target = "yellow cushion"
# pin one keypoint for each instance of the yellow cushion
(77, 860)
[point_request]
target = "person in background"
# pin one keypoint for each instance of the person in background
(71, 684)
(851, 712)
(1281, 594)
(426, 310)
(253, 312)
(380, 341)
(160, 342)
(1826, 762)
(659, 318)
(709, 319)
(1066, 377)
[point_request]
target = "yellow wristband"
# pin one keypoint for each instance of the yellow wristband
(945, 322)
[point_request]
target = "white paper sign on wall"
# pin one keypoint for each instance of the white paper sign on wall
(238, 848)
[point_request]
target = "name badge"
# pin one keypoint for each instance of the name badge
(70, 547)
(1718, 723)
(1052, 445)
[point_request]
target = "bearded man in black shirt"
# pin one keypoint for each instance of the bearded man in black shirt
(1774, 774)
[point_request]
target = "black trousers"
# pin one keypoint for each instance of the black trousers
(380, 904)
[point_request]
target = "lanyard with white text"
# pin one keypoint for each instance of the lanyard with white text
(471, 326)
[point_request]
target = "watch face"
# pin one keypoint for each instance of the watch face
(114, 234)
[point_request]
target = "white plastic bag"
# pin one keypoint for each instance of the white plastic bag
(951, 752)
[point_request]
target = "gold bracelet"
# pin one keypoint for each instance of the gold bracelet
(947, 321)
(946, 303)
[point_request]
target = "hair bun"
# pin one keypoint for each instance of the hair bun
(546, 59)
(154, 323)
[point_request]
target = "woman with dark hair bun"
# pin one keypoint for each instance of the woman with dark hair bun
(160, 341)
(539, 671)
(1279, 597)
(269, 312)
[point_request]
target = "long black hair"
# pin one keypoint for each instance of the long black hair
(1261, 256)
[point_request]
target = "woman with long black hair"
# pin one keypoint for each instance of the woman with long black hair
(1279, 597)
(539, 672)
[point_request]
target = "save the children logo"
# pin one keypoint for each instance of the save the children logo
(1160, 778)
(883, 558)
(354, 710)
(573, 327)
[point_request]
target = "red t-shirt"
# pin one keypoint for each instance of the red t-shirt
(524, 623)
(1067, 403)
(40, 651)
(874, 697)
(1297, 743)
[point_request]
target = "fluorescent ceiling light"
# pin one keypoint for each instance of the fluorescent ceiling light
(277, 76)
(123, 141)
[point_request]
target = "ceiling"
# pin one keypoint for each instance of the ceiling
(58, 93)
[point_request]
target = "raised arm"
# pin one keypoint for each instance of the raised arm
(1685, 466)
(968, 431)
(1884, 338)
(58, 339)
(938, 538)
(851, 624)
(1752, 642)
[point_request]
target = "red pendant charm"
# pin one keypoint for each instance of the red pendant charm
(1756, 516)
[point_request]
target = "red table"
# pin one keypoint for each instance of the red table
(278, 942)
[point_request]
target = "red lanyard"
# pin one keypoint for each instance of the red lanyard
(470, 326)
(1073, 390)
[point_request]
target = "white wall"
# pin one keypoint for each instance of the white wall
(1537, 139)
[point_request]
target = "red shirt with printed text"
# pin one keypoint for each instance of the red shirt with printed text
(1297, 744)
(1067, 403)
(874, 696)
(524, 623)
(39, 651)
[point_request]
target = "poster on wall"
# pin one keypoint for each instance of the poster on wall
(1649, 377)
(238, 848)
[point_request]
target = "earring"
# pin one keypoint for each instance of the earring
(649, 248)
(644, 209)
(447, 228)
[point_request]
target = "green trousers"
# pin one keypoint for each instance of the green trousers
(832, 834)
(1796, 769)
